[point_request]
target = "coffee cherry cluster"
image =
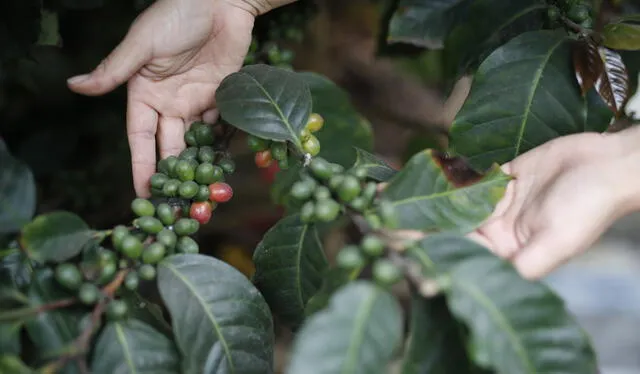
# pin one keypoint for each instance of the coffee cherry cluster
(370, 250)
(270, 53)
(268, 151)
(196, 175)
(576, 11)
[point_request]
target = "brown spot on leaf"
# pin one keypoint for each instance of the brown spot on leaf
(457, 170)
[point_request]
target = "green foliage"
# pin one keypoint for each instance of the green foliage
(138, 298)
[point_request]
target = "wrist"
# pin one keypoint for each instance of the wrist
(626, 164)
(259, 7)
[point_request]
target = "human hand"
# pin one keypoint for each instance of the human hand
(567, 192)
(174, 57)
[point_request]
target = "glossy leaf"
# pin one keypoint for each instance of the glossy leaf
(377, 169)
(289, 264)
(15, 270)
(613, 83)
(523, 95)
(622, 36)
(434, 193)
(56, 236)
(436, 343)
(219, 318)
(11, 364)
(423, 23)
(52, 331)
(17, 192)
(265, 101)
(522, 328)
(332, 280)
(10, 338)
(358, 333)
(486, 25)
(132, 346)
(147, 312)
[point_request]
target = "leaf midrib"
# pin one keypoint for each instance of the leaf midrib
(125, 347)
(207, 312)
(277, 108)
(358, 334)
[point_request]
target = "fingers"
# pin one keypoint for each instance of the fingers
(142, 122)
(545, 251)
(210, 116)
(123, 62)
(171, 136)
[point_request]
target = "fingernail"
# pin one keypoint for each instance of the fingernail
(78, 79)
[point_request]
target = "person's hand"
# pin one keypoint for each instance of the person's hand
(567, 192)
(174, 57)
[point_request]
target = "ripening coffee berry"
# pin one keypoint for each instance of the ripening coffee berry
(190, 138)
(388, 214)
(315, 122)
(204, 135)
(370, 191)
(350, 258)
(263, 159)
(147, 272)
(187, 245)
(321, 168)
(227, 165)
(372, 246)
(185, 170)
(154, 253)
(186, 226)
(131, 247)
(279, 150)
(158, 180)
(311, 146)
(131, 281)
(553, 14)
(166, 214)
(107, 272)
(359, 204)
(188, 189)
(88, 293)
(201, 212)
(305, 134)
(578, 13)
(349, 189)
(189, 153)
(69, 276)
(336, 181)
(116, 310)
(385, 272)
(142, 207)
(360, 172)
(257, 144)
(220, 192)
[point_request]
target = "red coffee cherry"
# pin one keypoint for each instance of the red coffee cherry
(220, 192)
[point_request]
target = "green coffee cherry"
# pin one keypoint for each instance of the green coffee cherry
(388, 214)
(147, 272)
(189, 153)
(203, 193)
(188, 190)
(373, 220)
(311, 146)
(165, 214)
(553, 14)
(336, 181)
(327, 210)
(167, 238)
(168, 165)
(205, 173)
(131, 247)
(305, 134)
(190, 138)
(107, 272)
(227, 165)
(578, 13)
(257, 144)
(301, 190)
(131, 281)
(185, 171)
(158, 180)
(207, 154)
(359, 204)
(279, 150)
(204, 135)
(369, 192)
(308, 212)
(350, 258)
(88, 294)
(187, 245)
(142, 207)
(170, 188)
(320, 168)
(69, 276)
(186, 226)
(118, 233)
(385, 272)
(283, 164)
(337, 168)
(116, 310)
(349, 189)
(149, 225)
(154, 253)
(322, 193)
(360, 172)
(372, 246)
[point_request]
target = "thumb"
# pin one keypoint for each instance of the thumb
(123, 62)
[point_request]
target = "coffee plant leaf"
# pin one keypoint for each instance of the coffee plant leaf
(437, 193)
(15, 270)
(217, 316)
(55, 237)
(10, 337)
(265, 101)
(147, 312)
(289, 263)
(501, 120)
(332, 280)
(622, 36)
(52, 331)
(473, 280)
(423, 23)
(132, 346)
(17, 192)
(486, 25)
(435, 342)
(13, 364)
(377, 169)
(358, 332)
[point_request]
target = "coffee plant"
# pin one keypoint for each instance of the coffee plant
(77, 299)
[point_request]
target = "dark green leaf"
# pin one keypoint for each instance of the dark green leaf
(133, 346)
(289, 264)
(219, 318)
(377, 169)
(15, 270)
(10, 338)
(485, 25)
(424, 23)
(436, 344)
(622, 36)
(56, 236)
(17, 193)
(10, 364)
(358, 333)
(265, 101)
(52, 331)
(523, 95)
(521, 328)
(433, 193)
(333, 280)
(148, 312)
